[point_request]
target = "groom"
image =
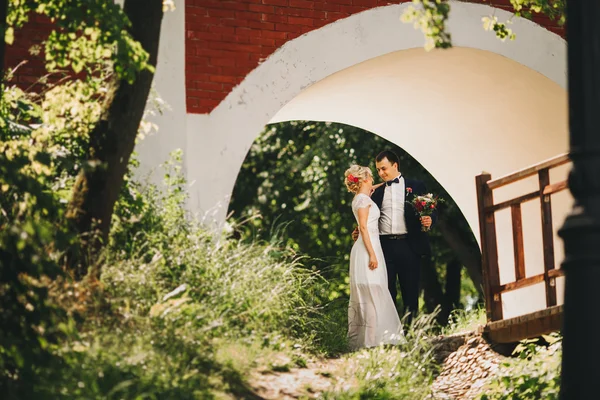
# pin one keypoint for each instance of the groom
(402, 240)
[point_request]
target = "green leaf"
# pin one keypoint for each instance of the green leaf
(9, 35)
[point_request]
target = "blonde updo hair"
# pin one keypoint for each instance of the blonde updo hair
(355, 175)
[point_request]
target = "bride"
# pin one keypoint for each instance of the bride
(372, 316)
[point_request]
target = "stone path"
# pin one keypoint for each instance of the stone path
(467, 362)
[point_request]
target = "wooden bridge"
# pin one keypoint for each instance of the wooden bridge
(544, 321)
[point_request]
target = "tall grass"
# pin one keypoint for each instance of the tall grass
(175, 304)
(405, 371)
(180, 312)
(221, 285)
(462, 321)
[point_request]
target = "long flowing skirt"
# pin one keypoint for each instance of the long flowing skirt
(372, 315)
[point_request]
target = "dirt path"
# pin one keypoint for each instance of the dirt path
(309, 382)
(467, 362)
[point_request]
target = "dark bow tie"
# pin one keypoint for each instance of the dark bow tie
(389, 183)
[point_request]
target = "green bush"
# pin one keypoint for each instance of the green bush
(534, 374)
(31, 242)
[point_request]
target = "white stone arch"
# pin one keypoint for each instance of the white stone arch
(216, 144)
(219, 141)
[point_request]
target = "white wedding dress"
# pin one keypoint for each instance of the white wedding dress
(372, 316)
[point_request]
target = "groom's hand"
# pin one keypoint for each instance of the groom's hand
(426, 221)
(355, 234)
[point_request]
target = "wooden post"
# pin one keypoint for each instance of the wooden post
(518, 246)
(489, 248)
(547, 237)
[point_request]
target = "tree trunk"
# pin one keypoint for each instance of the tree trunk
(434, 295)
(3, 26)
(112, 141)
(468, 255)
(452, 291)
(432, 289)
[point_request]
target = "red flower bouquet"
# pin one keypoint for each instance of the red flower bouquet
(425, 205)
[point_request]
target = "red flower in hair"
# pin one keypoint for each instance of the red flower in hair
(352, 178)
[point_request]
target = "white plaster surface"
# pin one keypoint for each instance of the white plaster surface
(169, 85)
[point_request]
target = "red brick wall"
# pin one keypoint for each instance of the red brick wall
(226, 39)
(30, 35)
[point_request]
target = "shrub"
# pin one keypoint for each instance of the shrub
(533, 374)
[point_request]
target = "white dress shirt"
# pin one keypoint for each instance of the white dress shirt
(392, 221)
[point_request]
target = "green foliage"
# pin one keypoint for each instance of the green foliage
(294, 172)
(31, 242)
(430, 17)
(431, 20)
(533, 374)
(554, 9)
(54, 125)
(44, 139)
(90, 35)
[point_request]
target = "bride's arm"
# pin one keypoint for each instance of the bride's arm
(363, 217)
(375, 188)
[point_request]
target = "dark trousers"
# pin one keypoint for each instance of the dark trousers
(405, 265)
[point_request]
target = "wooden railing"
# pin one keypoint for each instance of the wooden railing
(487, 224)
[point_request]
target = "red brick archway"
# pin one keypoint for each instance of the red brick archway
(226, 39)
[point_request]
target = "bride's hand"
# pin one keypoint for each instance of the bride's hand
(374, 187)
(372, 263)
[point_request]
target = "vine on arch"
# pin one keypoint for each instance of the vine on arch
(430, 16)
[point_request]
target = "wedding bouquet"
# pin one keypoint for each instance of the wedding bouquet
(425, 205)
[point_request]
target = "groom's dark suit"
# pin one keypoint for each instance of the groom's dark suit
(403, 253)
